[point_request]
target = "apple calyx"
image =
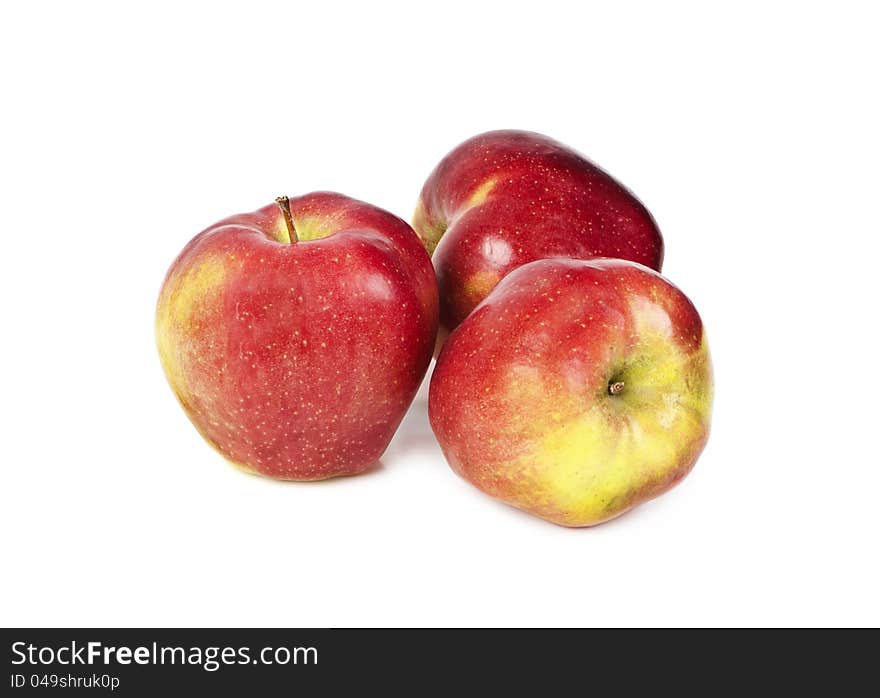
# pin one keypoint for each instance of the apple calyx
(616, 388)
(284, 204)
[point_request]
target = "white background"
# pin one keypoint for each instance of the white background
(750, 133)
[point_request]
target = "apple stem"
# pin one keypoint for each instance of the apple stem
(616, 388)
(284, 204)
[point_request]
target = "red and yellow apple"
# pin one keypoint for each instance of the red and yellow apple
(295, 337)
(505, 198)
(576, 390)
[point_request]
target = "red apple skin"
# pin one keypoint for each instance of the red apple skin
(505, 198)
(298, 360)
(521, 400)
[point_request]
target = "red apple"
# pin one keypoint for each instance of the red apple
(505, 198)
(296, 336)
(575, 390)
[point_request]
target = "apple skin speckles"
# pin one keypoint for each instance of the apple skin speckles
(521, 398)
(298, 360)
(506, 198)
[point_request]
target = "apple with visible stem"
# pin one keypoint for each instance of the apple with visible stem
(505, 198)
(576, 390)
(295, 337)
